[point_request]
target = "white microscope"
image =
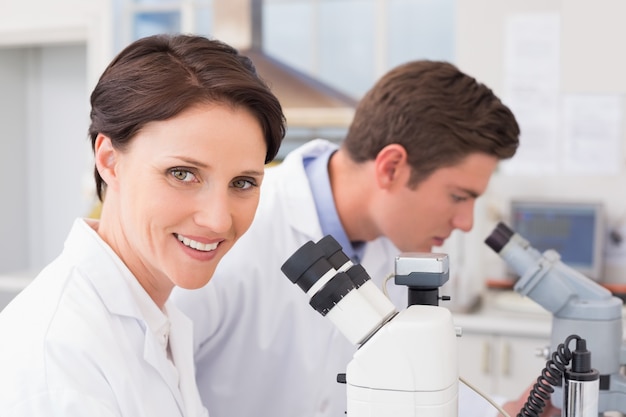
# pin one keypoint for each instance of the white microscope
(406, 362)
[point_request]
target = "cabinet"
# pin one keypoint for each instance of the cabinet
(503, 349)
(501, 365)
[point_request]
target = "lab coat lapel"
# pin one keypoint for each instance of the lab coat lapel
(109, 278)
(181, 344)
(298, 204)
(154, 356)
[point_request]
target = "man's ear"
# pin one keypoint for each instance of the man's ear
(390, 165)
(106, 159)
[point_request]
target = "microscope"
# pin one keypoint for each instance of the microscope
(579, 306)
(405, 364)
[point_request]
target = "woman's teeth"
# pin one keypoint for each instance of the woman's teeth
(204, 247)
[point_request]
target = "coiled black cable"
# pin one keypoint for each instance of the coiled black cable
(551, 376)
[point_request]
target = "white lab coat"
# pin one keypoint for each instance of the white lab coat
(261, 349)
(74, 343)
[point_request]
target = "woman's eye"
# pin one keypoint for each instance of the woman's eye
(243, 184)
(458, 198)
(182, 175)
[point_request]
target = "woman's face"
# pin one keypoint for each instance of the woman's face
(181, 194)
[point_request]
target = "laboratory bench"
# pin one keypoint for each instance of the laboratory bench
(504, 342)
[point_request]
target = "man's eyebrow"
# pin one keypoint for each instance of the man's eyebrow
(471, 193)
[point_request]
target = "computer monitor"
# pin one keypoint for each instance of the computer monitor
(574, 229)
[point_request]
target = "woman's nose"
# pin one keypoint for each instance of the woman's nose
(213, 211)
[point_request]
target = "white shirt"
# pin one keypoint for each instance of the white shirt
(85, 339)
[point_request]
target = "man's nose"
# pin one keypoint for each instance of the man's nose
(464, 217)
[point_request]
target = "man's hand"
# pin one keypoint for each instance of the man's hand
(514, 407)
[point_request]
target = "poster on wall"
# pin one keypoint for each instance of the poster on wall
(531, 89)
(592, 128)
(560, 133)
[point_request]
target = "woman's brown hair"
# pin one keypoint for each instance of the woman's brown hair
(157, 77)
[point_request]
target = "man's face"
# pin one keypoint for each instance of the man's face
(417, 219)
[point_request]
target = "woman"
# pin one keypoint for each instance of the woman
(181, 127)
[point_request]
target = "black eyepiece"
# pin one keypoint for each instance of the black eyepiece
(333, 251)
(306, 266)
(499, 237)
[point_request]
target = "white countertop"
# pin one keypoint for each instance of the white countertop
(506, 312)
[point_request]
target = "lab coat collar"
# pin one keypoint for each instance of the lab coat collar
(109, 275)
(300, 208)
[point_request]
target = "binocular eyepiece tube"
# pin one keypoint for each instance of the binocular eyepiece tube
(339, 289)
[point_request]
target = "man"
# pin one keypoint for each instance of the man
(422, 147)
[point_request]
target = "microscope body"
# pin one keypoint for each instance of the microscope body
(407, 368)
(406, 363)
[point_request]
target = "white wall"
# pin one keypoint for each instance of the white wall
(585, 67)
(28, 23)
(45, 160)
(13, 161)
(60, 153)
(51, 54)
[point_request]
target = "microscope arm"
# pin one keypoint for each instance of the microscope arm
(578, 306)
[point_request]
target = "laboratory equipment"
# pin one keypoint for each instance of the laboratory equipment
(405, 364)
(579, 306)
(574, 229)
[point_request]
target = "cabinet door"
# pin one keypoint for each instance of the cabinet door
(502, 366)
(519, 364)
(476, 360)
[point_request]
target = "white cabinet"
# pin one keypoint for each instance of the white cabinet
(502, 365)
(502, 351)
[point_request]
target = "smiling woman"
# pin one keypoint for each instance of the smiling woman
(181, 128)
(181, 193)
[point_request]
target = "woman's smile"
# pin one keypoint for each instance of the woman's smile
(194, 244)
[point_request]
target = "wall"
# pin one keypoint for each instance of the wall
(45, 155)
(13, 161)
(51, 54)
(590, 62)
(27, 23)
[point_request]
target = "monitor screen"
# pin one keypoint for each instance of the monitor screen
(574, 230)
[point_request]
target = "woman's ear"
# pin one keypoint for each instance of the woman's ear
(106, 159)
(390, 165)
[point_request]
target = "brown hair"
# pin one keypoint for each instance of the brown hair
(157, 77)
(437, 113)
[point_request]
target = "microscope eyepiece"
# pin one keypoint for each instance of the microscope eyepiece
(333, 251)
(499, 237)
(330, 279)
(306, 266)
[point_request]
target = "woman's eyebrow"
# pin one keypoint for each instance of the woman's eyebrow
(191, 161)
